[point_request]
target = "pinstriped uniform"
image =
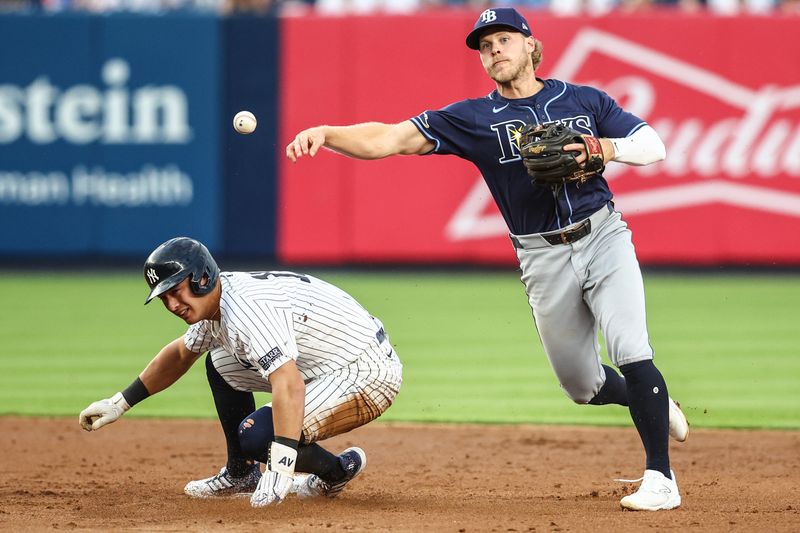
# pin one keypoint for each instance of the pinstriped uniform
(350, 369)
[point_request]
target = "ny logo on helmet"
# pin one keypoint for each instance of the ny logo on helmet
(152, 277)
(488, 16)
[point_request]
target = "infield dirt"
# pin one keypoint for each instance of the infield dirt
(130, 476)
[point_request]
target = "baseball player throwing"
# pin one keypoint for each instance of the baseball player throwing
(327, 362)
(578, 263)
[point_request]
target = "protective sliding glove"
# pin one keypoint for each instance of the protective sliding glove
(542, 151)
(276, 482)
(103, 412)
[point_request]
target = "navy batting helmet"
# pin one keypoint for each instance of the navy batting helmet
(178, 259)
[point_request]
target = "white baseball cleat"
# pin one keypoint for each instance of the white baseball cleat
(657, 492)
(678, 425)
(353, 461)
(224, 485)
(309, 486)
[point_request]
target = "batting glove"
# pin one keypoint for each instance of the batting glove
(276, 482)
(103, 412)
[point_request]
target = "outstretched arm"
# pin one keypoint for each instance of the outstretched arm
(370, 140)
(166, 368)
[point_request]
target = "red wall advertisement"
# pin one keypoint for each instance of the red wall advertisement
(723, 93)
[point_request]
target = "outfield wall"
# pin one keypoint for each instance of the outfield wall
(113, 137)
(727, 106)
(115, 134)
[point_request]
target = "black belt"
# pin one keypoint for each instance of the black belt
(571, 235)
(567, 236)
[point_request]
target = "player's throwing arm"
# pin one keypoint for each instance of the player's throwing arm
(371, 140)
(307, 142)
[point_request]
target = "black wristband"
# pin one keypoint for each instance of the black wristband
(286, 441)
(135, 393)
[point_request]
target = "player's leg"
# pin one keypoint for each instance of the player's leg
(557, 280)
(565, 324)
(613, 391)
(615, 293)
(256, 432)
(336, 403)
(341, 402)
(354, 395)
(232, 406)
(648, 402)
(231, 386)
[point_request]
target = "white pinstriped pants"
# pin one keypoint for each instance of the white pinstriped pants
(337, 402)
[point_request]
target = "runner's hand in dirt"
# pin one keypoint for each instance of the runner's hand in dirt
(103, 412)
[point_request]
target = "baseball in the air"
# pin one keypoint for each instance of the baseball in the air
(244, 122)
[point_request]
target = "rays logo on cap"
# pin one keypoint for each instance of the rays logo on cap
(501, 17)
(488, 16)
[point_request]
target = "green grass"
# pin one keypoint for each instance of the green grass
(728, 346)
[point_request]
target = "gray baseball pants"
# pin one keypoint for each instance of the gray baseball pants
(576, 289)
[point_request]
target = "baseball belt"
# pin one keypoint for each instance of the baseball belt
(567, 235)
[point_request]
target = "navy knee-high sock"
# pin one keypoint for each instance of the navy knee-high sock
(613, 390)
(232, 407)
(317, 460)
(257, 434)
(649, 407)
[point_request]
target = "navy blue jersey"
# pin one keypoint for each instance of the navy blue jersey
(482, 130)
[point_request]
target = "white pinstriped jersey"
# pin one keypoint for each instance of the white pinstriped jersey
(268, 318)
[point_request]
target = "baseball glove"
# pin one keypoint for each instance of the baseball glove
(542, 150)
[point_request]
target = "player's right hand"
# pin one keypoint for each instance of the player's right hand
(103, 412)
(272, 489)
(276, 482)
(306, 142)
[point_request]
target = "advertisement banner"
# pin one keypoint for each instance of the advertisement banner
(108, 133)
(727, 107)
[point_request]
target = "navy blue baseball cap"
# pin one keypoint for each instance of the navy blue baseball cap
(506, 17)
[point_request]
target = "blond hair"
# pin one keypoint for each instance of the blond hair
(536, 55)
